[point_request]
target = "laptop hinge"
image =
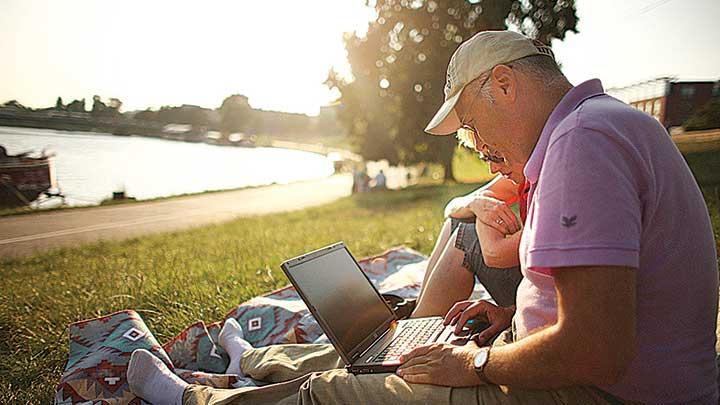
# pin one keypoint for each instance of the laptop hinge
(360, 355)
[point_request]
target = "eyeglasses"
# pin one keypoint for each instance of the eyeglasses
(483, 150)
(485, 154)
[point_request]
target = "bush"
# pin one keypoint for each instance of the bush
(707, 117)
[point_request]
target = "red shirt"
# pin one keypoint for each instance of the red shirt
(522, 200)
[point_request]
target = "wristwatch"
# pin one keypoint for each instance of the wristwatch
(480, 361)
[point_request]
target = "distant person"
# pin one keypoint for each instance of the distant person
(361, 181)
(380, 181)
(356, 180)
(364, 185)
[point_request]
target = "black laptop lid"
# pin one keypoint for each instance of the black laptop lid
(340, 296)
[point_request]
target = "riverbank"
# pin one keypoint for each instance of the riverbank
(25, 234)
(130, 200)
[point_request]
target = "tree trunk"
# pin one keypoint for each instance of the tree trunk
(447, 165)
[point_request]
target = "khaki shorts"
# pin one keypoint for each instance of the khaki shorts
(313, 374)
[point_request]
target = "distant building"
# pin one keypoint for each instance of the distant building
(669, 100)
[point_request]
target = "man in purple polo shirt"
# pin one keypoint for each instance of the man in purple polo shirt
(621, 279)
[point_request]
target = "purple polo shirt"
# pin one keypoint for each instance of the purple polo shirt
(609, 188)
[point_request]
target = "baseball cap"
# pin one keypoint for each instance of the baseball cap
(473, 57)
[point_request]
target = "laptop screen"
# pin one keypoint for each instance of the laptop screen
(342, 295)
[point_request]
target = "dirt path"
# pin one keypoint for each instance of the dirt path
(25, 234)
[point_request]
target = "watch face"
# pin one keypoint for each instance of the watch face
(481, 358)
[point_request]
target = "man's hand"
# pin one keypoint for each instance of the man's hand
(441, 364)
(499, 318)
(495, 214)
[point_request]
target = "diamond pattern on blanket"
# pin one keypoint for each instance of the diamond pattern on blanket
(100, 348)
(195, 349)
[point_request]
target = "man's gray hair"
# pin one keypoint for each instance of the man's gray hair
(540, 68)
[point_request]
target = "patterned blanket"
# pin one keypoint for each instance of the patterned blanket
(100, 348)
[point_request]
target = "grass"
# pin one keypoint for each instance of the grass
(705, 166)
(224, 264)
(712, 199)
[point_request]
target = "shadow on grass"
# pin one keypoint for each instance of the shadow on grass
(705, 167)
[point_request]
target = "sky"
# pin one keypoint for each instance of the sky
(623, 42)
(160, 52)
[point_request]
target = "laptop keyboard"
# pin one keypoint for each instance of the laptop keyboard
(414, 334)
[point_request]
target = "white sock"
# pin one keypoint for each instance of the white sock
(150, 379)
(231, 339)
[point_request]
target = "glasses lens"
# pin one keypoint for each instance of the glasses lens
(467, 136)
(487, 156)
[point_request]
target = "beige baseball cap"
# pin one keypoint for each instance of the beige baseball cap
(473, 57)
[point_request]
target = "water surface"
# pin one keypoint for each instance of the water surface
(90, 166)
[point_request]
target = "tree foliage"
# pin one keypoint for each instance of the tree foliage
(100, 109)
(707, 117)
(235, 114)
(398, 68)
(185, 114)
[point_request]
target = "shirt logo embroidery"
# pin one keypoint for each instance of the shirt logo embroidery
(568, 222)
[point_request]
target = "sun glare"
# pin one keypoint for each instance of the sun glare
(157, 53)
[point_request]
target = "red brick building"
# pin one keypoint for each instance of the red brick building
(669, 100)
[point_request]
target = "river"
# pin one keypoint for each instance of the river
(89, 166)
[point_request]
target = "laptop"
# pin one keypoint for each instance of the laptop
(359, 323)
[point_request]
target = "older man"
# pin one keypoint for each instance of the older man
(619, 299)
(620, 267)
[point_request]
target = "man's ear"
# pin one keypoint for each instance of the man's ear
(505, 81)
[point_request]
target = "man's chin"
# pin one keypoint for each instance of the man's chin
(510, 177)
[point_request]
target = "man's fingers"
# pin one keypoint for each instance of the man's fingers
(416, 352)
(413, 369)
(484, 336)
(413, 361)
(470, 312)
(513, 220)
(455, 310)
(417, 378)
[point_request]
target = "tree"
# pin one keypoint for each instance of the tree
(707, 117)
(115, 104)
(16, 104)
(398, 68)
(77, 106)
(235, 114)
(98, 107)
(59, 104)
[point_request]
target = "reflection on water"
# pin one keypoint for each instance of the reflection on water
(89, 166)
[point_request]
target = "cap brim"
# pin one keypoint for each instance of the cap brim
(445, 121)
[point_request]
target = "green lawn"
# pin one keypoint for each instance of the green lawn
(175, 279)
(712, 199)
